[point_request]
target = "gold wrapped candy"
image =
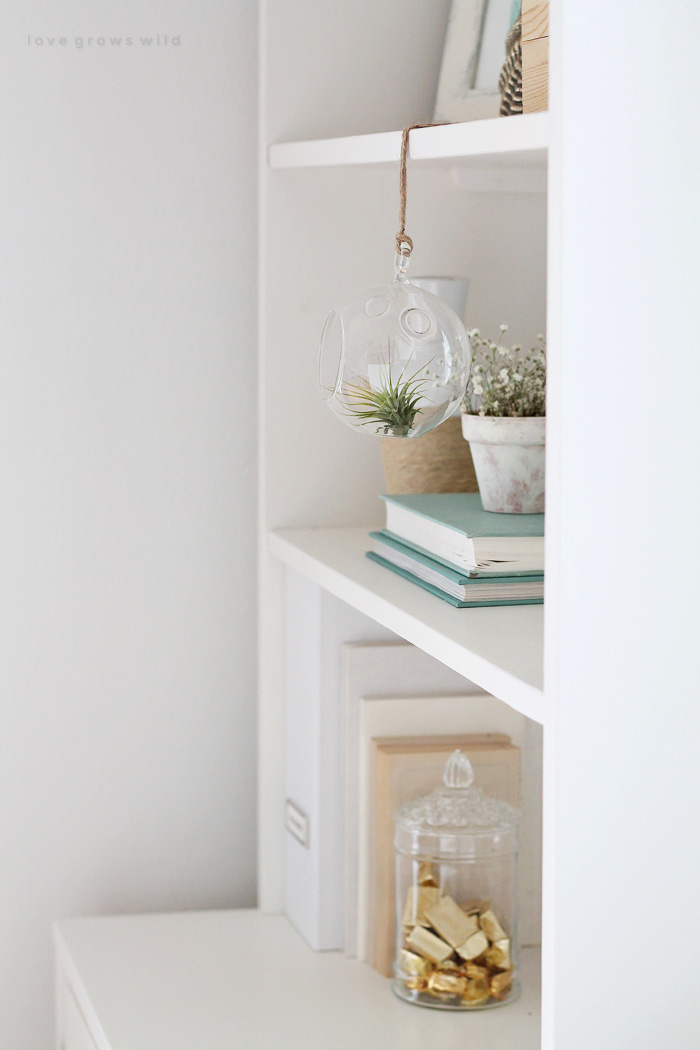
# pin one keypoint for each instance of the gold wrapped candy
(500, 984)
(447, 984)
(426, 875)
(417, 984)
(491, 926)
(476, 992)
(474, 946)
(419, 899)
(416, 965)
(498, 955)
(452, 953)
(428, 945)
(449, 921)
(475, 972)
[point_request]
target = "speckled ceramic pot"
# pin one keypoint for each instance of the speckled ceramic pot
(508, 456)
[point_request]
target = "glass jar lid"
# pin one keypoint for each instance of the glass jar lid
(458, 818)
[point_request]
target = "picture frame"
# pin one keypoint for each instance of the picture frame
(472, 59)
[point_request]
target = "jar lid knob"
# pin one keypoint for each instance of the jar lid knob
(458, 772)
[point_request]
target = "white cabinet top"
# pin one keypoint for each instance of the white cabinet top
(238, 980)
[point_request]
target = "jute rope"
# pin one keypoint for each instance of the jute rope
(404, 244)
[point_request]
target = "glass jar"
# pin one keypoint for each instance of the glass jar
(457, 896)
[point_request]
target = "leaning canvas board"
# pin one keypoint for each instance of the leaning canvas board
(376, 670)
(472, 57)
(418, 717)
(405, 768)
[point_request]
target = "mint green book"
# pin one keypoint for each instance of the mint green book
(459, 603)
(453, 527)
(447, 577)
(389, 547)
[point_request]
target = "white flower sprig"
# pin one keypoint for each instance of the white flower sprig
(504, 381)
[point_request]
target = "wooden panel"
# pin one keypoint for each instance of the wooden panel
(535, 19)
(535, 75)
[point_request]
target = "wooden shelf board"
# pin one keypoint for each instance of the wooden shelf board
(499, 649)
(218, 980)
(520, 140)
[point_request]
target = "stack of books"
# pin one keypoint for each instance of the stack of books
(449, 545)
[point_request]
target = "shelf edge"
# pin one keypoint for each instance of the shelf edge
(520, 695)
(524, 133)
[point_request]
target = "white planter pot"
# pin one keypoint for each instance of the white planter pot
(508, 456)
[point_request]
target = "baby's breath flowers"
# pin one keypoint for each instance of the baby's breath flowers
(505, 381)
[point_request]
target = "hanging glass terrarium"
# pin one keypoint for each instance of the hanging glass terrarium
(394, 360)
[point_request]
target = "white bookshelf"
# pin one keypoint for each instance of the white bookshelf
(605, 263)
(329, 196)
(585, 266)
(499, 649)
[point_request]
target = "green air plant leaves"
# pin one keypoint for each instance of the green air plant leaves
(392, 406)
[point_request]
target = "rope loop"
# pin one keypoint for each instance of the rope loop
(404, 244)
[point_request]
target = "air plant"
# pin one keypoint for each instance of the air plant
(392, 406)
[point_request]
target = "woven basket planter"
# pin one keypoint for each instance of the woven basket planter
(439, 461)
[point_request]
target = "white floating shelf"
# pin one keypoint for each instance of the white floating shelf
(218, 980)
(520, 141)
(499, 649)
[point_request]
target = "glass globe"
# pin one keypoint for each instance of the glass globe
(394, 360)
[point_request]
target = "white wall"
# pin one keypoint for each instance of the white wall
(127, 479)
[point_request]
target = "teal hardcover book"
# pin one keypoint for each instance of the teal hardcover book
(454, 528)
(464, 512)
(458, 603)
(413, 558)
